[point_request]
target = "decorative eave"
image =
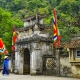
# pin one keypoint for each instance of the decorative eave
(43, 26)
(24, 28)
(35, 38)
(39, 16)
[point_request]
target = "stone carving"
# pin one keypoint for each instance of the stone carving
(49, 63)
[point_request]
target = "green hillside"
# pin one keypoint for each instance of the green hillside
(12, 11)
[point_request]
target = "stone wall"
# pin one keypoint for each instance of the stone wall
(65, 66)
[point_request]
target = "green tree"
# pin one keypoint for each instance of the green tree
(68, 15)
(6, 23)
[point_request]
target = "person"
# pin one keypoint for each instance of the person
(5, 66)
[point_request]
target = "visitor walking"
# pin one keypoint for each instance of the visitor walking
(5, 70)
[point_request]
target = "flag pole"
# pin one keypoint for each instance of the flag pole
(56, 43)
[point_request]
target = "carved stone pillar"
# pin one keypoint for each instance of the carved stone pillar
(33, 59)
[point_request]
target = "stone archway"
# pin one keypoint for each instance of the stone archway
(26, 61)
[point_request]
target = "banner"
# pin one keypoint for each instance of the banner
(3, 49)
(14, 38)
(56, 33)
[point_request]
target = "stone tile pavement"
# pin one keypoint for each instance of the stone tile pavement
(29, 77)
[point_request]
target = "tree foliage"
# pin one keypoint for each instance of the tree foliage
(6, 23)
(68, 15)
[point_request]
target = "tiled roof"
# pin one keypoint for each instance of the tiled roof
(74, 43)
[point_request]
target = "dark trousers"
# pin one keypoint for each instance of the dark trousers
(5, 71)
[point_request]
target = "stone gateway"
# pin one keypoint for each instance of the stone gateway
(33, 45)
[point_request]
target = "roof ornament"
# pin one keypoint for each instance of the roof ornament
(36, 17)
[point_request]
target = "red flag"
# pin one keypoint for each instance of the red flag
(1, 43)
(2, 47)
(14, 38)
(56, 34)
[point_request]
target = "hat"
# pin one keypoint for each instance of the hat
(5, 57)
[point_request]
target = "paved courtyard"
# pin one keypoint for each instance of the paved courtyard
(28, 77)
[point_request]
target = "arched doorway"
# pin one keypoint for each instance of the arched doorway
(26, 65)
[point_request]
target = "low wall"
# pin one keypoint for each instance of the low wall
(65, 66)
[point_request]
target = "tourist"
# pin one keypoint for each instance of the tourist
(5, 70)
